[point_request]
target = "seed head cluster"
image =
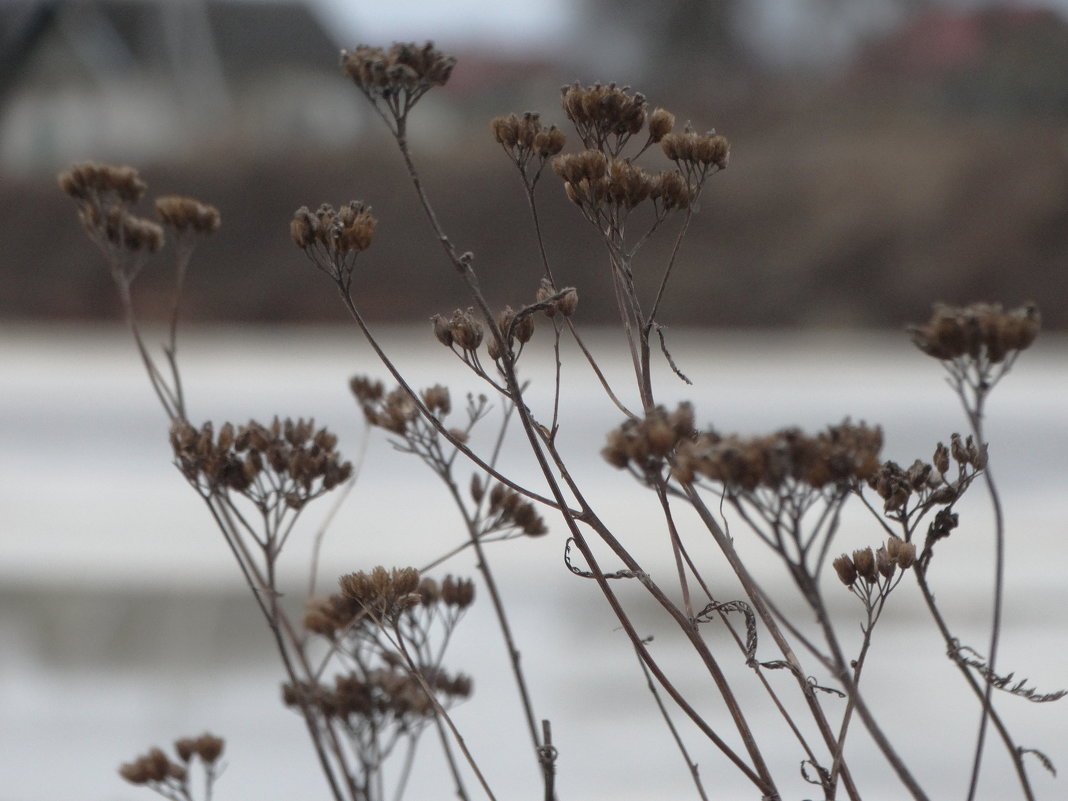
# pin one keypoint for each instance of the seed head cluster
(157, 769)
(564, 301)
(343, 613)
(980, 331)
(395, 410)
(186, 214)
(386, 593)
(104, 194)
(286, 461)
(461, 330)
(508, 510)
(379, 697)
(332, 239)
(871, 566)
(645, 444)
(929, 484)
(398, 77)
(592, 179)
(606, 117)
(523, 137)
(102, 184)
(708, 150)
(841, 454)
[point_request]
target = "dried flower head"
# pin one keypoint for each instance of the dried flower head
(395, 79)
(154, 767)
(646, 443)
(184, 214)
(457, 592)
(864, 562)
(382, 593)
(844, 453)
(982, 331)
(694, 150)
(298, 461)
(606, 117)
(661, 122)
(332, 239)
(515, 326)
(102, 185)
(462, 330)
(524, 138)
(509, 512)
(846, 570)
(396, 411)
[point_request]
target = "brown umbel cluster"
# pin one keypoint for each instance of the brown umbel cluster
(380, 697)
(187, 214)
(869, 565)
(524, 138)
(645, 443)
(508, 510)
(841, 454)
(980, 331)
(156, 769)
(362, 593)
(394, 79)
(105, 194)
(591, 179)
(332, 239)
(288, 461)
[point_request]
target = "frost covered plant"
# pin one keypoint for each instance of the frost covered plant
(365, 666)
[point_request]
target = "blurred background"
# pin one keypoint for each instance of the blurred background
(885, 154)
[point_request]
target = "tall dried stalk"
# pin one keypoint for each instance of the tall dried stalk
(384, 633)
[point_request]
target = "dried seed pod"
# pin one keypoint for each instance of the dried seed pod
(846, 570)
(864, 562)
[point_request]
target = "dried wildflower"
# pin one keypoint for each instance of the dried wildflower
(102, 185)
(552, 300)
(524, 138)
(647, 443)
(185, 214)
(568, 302)
(456, 592)
(842, 454)
(396, 411)
(128, 232)
(846, 570)
(902, 553)
(461, 330)
(513, 326)
(394, 80)
(104, 194)
(661, 122)
(628, 185)
(509, 511)
(478, 489)
(702, 151)
(152, 768)
(864, 562)
(671, 191)
(436, 399)
(604, 116)
(300, 460)
(982, 331)
(382, 593)
(332, 239)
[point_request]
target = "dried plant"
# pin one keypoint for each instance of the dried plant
(365, 667)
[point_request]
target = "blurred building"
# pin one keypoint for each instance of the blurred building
(151, 80)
